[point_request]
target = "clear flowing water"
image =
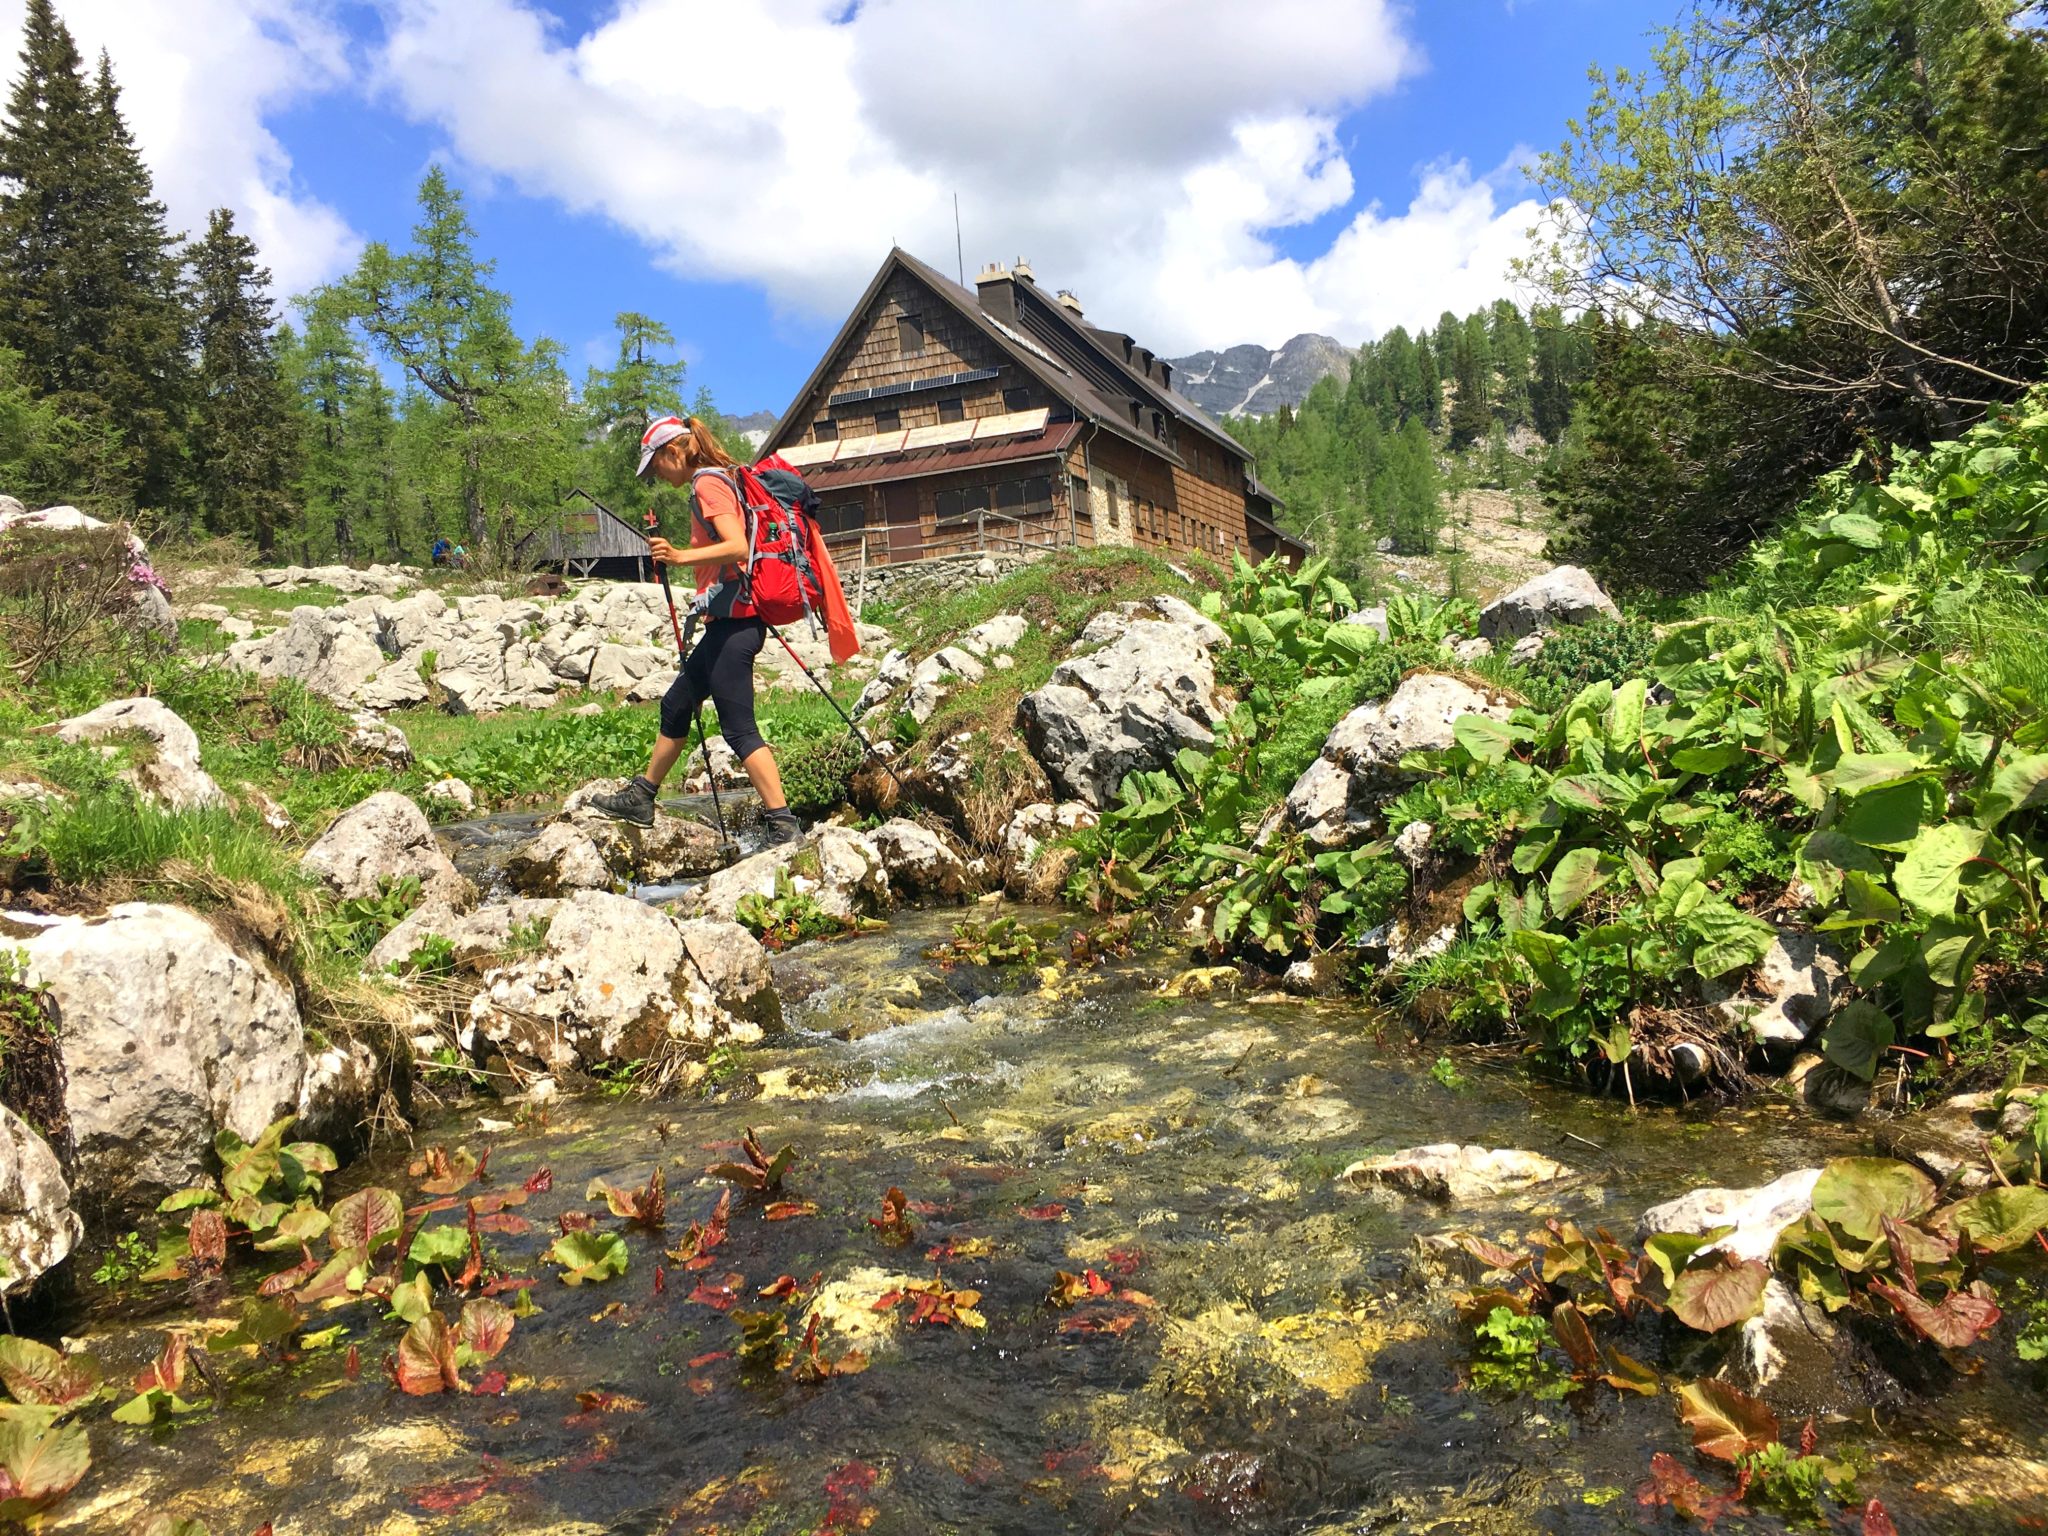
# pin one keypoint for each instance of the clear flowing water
(1292, 1364)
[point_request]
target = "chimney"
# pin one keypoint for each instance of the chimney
(1022, 269)
(995, 287)
(1068, 301)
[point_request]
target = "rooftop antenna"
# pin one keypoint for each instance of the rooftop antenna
(959, 250)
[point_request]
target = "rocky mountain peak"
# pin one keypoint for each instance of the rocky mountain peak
(1250, 380)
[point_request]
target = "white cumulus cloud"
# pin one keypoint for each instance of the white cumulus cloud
(198, 78)
(1141, 152)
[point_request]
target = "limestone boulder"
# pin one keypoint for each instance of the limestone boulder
(1565, 594)
(1028, 832)
(338, 1095)
(921, 864)
(395, 685)
(936, 677)
(1374, 619)
(674, 848)
(38, 1227)
(1757, 1215)
(1947, 1140)
(480, 938)
(164, 751)
(633, 670)
(561, 858)
(452, 794)
(168, 1033)
(613, 982)
(1130, 705)
(385, 837)
(1336, 800)
(1450, 1174)
(841, 869)
(330, 651)
(378, 740)
(1787, 996)
(732, 963)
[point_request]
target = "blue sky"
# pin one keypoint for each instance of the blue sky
(1200, 178)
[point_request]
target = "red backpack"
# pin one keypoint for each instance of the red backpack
(788, 573)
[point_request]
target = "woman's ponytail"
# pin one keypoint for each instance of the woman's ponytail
(702, 449)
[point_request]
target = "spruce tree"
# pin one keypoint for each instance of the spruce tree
(1472, 411)
(242, 429)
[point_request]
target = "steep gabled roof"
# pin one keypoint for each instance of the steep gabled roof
(1062, 382)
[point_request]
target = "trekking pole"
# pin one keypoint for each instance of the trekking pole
(866, 745)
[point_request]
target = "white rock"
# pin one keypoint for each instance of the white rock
(992, 636)
(1564, 594)
(372, 737)
(171, 775)
(168, 1034)
(383, 837)
(453, 791)
(38, 1228)
(1787, 996)
(1131, 705)
(1411, 845)
(920, 862)
(1452, 1174)
(1035, 825)
(561, 858)
(1757, 1215)
(1374, 619)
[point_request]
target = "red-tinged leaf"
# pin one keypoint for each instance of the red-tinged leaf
(929, 1207)
(490, 1384)
(1576, 1338)
(497, 1200)
(540, 1181)
(207, 1242)
(716, 1355)
(39, 1376)
(168, 1372)
(887, 1300)
(498, 1285)
(1809, 1438)
(1688, 1497)
(483, 1164)
(1876, 1522)
(893, 1226)
(1492, 1255)
(39, 1465)
(782, 1286)
(1961, 1320)
(1067, 1290)
(1123, 1262)
(789, 1210)
(505, 1223)
(446, 1498)
(1726, 1424)
(426, 1359)
(367, 1219)
(484, 1328)
(290, 1279)
(595, 1401)
(576, 1221)
(1112, 1323)
(473, 1270)
(352, 1364)
(719, 1293)
(435, 1207)
(1135, 1298)
(1050, 1211)
(660, 1280)
(1719, 1292)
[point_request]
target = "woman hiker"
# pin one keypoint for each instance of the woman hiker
(721, 667)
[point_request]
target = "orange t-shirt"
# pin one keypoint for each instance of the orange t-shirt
(715, 498)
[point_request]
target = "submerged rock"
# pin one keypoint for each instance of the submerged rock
(165, 767)
(920, 863)
(38, 1228)
(1947, 1140)
(385, 837)
(1757, 1215)
(1456, 1175)
(168, 1033)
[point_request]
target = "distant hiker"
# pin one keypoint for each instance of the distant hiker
(439, 554)
(721, 667)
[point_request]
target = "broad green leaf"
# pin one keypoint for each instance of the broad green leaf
(589, 1256)
(1857, 1038)
(1672, 1251)
(1487, 739)
(1929, 877)
(38, 1375)
(1857, 1193)
(1719, 1292)
(2020, 785)
(1579, 873)
(1891, 817)
(1999, 1220)
(1712, 759)
(1857, 528)
(446, 1245)
(40, 1466)
(301, 1224)
(188, 1199)
(367, 1219)
(1858, 773)
(413, 1299)
(1728, 939)
(1625, 715)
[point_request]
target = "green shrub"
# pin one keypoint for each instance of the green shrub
(817, 774)
(1580, 654)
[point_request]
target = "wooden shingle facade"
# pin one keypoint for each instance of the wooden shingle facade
(942, 420)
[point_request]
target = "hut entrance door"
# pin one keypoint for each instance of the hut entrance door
(899, 511)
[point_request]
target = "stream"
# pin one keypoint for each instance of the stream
(1290, 1364)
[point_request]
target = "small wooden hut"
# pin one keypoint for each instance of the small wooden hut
(583, 540)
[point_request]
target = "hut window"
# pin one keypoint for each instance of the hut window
(1016, 399)
(888, 421)
(951, 409)
(948, 505)
(1037, 495)
(1010, 497)
(825, 431)
(847, 517)
(910, 335)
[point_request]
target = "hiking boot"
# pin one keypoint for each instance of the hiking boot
(782, 827)
(634, 803)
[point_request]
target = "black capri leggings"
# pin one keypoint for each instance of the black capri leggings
(721, 669)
